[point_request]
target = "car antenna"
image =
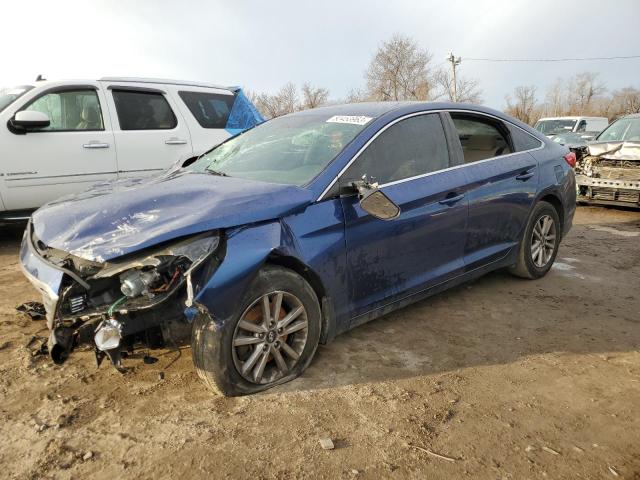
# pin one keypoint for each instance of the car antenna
(40, 78)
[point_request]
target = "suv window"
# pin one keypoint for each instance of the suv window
(411, 147)
(143, 110)
(210, 109)
(70, 110)
(481, 138)
(523, 141)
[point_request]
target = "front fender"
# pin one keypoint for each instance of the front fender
(246, 251)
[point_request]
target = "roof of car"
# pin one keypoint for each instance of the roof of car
(160, 81)
(572, 117)
(189, 83)
(377, 109)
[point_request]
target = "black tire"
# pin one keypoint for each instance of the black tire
(526, 266)
(213, 354)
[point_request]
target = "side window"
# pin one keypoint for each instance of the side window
(480, 137)
(143, 110)
(411, 147)
(70, 110)
(210, 109)
(523, 141)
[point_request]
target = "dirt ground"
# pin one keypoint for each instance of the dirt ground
(507, 378)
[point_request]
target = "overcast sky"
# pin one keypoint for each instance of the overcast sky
(262, 45)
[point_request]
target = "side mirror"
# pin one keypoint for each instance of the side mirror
(30, 120)
(374, 201)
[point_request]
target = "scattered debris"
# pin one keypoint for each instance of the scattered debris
(356, 472)
(327, 444)
(149, 360)
(550, 450)
(530, 448)
(35, 310)
(161, 376)
(434, 454)
(578, 449)
(87, 456)
(613, 471)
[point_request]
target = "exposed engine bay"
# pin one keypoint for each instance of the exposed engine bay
(117, 305)
(609, 173)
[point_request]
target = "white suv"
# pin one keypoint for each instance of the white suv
(60, 137)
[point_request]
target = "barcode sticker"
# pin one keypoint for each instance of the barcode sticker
(353, 119)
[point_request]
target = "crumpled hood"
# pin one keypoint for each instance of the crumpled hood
(116, 218)
(627, 150)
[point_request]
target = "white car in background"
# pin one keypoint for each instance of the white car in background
(60, 137)
(552, 126)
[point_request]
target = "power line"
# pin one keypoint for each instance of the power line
(627, 57)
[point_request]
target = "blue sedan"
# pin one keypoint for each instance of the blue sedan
(290, 233)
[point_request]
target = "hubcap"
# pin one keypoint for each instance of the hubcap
(543, 241)
(270, 337)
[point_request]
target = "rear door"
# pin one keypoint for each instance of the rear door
(502, 181)
(150, 132)
(206, 111)
(390, 259)
(73, 153)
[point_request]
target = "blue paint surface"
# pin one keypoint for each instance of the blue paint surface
(363, 265)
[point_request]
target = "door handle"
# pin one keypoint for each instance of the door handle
(96, 145)
(523, 177)
(175, 141)
(452, 200)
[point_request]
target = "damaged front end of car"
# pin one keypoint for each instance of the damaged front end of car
(610, 174)
(118, 305)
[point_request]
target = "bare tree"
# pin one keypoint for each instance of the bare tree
(468, 90)
(399, 71)
(283, 102)
(313, 97)
(555, 104)
(523, 104)
(582, 89)
(357, 95)
(625, 101)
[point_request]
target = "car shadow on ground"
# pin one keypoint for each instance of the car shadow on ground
(495, 320)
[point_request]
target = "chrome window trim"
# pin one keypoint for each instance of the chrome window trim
(427, 112)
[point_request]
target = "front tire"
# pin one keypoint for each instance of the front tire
(270, 340)
(539, 245)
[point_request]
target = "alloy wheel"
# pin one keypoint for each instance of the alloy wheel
(543, 241)
(270, 337)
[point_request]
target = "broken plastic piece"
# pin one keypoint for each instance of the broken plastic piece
(35, 310)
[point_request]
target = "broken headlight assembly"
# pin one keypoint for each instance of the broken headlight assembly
(118, 299)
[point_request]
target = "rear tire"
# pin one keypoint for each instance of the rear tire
(259, 349)
(539, 245)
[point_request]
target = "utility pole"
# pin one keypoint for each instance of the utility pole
(455, 61)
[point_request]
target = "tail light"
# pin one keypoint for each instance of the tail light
(570, 158)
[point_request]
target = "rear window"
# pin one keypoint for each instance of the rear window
(481, 138)
(211, 110)
(143, 111)
(523, 141)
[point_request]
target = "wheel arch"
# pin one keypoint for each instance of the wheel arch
(556, 203)
(327, 331)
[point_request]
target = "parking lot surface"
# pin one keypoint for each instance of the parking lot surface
(499, 378)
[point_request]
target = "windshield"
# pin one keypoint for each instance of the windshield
(625, 129)
(552, 127)
(290, 150)
(10, 94)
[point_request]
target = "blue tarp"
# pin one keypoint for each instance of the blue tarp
(243, 114)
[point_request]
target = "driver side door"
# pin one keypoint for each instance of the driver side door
(388, 260)
(73, 153)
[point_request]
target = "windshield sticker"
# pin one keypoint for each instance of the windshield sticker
(353, 119)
